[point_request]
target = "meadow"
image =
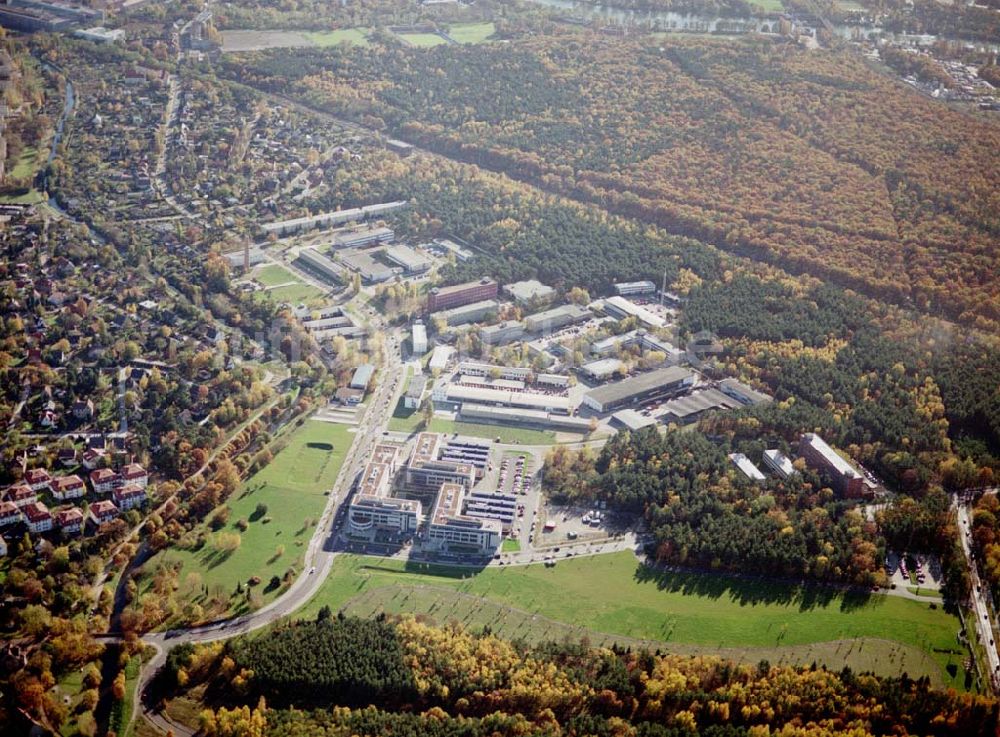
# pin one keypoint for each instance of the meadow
(293, 488)
(613, 598)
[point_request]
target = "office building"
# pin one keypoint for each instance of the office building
(408, 259)
(483, 413)
(414, 392)
(779, 463)
(531, 290)
(373, 509)
(844, 478)
(440, 358)
(370, 270)
(362, 238)
(425, 470)
(743, 393)
(319, 265)
(621, 308)
(451, 530)
(443, 298)
(295, 225)
(418, 338)
(747, 468)
(502, 333)
(650, 386)
(362, 376)
(633, 288)
(557, 318)
(474, 312)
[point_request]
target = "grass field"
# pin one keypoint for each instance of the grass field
(770, 6)
(294, 487)
(404, 420)
(272, 275)
(510, 546)
(614, 598)
(357, 36)
(31, 197)
(26, 165)
(472, 33)
(294, 293)
(422, 40)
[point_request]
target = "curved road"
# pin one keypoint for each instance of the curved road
(319, 554)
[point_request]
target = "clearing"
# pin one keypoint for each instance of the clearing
(471, 33)
(615, 598)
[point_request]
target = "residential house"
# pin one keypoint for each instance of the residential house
(129, 496)
(38, 517)
(68, 487)
(103, 480)
(134, 474)
(67, 457)
(10, 514)
(83, 409)
(37, 479)
(70, 521)
(92, 458)
(22, 495)
(103, 511)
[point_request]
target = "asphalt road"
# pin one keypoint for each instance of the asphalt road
(983, 626)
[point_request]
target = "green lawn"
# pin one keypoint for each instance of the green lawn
(472, 33)
(293, 487)
(404, 420)
(31, 197)
(273, 275)
(613, 597)
(423, 40)
(769, 5)
(26, 165)
(358, 36)
(510, 546)
(294, 293)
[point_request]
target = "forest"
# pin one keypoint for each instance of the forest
(474, 684)
(885, 191)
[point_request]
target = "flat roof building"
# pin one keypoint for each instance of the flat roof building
(602, 369)
(443, 298)
(685, 410)
(451, 530)
(622, 308)
(844, 477)
(362, 238)
(557, 318)
(294, 225)
(485, 413)
(373, 510)
(461, 393)
(530, 290)
(362, 376)
(101, 35)
(645, 387)
(370, 270)
(779, 463)
(631, 420)
(320, 265)
(440, 358)
(414, 392)
(747, 468)
(408, 259)
(743, 393)
(418, 338)
(474, 312)
(425, 470)
(504, 332)
(629, 288)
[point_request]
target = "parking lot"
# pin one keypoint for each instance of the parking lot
(578, 523)
(923, 571)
